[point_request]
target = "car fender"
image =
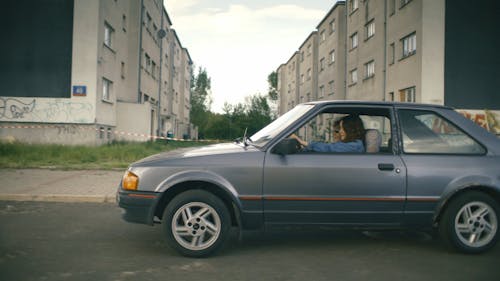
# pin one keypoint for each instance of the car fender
(204, 176)
(462, 184)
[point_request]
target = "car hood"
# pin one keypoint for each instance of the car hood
(191, 152)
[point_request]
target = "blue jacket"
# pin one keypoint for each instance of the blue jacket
(355, 146)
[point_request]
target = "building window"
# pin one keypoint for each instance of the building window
(353, 5)
(321, 64)
(148, 62)
(323, 36)
(124, 23)
(392, 7)
(122, 70)
(407, 95)
(302, 78)
(332, 56)
(309, 49)
(107, 88)
(409, 44)
(354, 40)
(391, 96)
(153, 69)
(148, 21)
(369, 69)
(353, 76)
(302, 56)
(332, 26)
(331, 85)
(392, 53)
(101, 133)
(309, 74)
(108, 35)
(404, 3)
(108, 135)
(321, 91)
(370, 29)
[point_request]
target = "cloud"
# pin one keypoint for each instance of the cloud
(240, 45)
(180, 6)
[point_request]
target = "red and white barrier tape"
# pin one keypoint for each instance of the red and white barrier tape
(122, 133)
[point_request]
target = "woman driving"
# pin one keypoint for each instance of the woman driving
(351, 138)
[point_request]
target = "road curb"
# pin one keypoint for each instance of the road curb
(59, 198)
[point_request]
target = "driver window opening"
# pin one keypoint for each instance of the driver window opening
(324, 128)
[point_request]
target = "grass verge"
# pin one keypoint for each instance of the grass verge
(111, 156)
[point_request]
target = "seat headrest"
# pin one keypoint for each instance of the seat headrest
(373, 140)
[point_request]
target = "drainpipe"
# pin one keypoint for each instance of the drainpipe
(346, 50)
(139, 99)
(384, 85)
(161, 34)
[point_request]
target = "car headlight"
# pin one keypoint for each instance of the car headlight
(130, 181)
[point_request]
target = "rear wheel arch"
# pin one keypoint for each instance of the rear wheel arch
(490, 191)
(212, 188)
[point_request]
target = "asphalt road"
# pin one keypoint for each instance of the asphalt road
(88, 241)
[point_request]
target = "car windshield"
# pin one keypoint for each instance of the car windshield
(262, 137)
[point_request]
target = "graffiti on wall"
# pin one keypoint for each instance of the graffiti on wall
(51, 110)
(488, 119)
(15, 109)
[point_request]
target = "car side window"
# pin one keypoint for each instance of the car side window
(325, 128)
(427, 132)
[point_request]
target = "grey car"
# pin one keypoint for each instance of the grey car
(424, 167)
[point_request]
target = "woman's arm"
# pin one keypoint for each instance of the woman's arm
(302, 142)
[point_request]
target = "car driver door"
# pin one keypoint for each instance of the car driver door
(337, 188)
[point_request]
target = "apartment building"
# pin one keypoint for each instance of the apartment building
(425, 51)
(365, 55)
(288, 83)
(316, 70)
(332, 54)
(117, 71)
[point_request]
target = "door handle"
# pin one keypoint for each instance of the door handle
(385, 167)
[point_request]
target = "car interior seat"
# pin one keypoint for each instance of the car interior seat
(373, 140)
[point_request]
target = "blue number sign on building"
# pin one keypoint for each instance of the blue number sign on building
(80, 91)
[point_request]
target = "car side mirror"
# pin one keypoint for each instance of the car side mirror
(286, 146)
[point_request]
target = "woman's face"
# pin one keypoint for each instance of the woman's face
(336, 133)
(342, 131)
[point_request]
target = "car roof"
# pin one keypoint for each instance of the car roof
(377, 103)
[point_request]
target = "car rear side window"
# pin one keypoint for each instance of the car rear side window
(427, 132)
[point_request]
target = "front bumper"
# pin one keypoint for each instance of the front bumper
(139, 207)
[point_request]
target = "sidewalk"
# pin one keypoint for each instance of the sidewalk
(59, 186)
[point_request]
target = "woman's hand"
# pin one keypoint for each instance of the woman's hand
(301, 142)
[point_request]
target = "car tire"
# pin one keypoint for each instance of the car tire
(470, 223)
(196, 223)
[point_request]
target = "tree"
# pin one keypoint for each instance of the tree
(258, 113)
(252, 115)
(272, 80)
(200, 100)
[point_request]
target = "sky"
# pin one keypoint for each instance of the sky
(240, 42)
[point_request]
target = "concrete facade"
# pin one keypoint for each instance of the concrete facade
(384, 50)
(128, 82)
(332, 54)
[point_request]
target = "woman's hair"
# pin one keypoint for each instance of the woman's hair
(353, 127)
(336, 124)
